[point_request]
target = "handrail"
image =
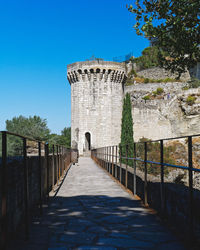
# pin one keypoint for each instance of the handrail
(30, 138)
(104, 157)
(46, 176)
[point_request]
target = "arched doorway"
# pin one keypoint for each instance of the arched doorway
(87, 141)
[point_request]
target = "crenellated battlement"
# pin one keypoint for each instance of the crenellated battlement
(96, 71)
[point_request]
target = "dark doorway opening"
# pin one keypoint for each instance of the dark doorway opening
(87, 141)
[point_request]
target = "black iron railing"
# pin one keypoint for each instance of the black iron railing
(151, 163)
(29, 171)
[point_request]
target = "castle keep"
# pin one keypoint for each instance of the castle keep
(96, 103)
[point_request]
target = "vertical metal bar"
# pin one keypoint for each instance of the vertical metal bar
(116, 162)
(190, 165)
(112, 160)
(26, 190)
(53, 167)
(162, 178)
(4, 189)
(104, 157)
(40, 176)
(47, 166)
(145, 173)
(120, 165)
(57, 166)
(62, 160)
(126, 176)
(107, 158)
(134, 173)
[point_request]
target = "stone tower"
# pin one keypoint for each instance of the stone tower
(96, 103)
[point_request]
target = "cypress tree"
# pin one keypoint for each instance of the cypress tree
(127, 130)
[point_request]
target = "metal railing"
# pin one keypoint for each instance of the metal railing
(127, 159)
(29, 171)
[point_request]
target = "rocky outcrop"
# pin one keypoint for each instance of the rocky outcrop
(168, 114)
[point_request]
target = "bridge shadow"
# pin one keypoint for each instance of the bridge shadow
(97, 222)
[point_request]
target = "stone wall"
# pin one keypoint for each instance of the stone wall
(165, 117)
(160, 73)
(96, 103)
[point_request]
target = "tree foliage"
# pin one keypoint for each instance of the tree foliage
(174, 26)
(150, 58)
(34, 127)
(126, 145)
(63, 139)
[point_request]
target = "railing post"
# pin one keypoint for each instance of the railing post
(26, 191)
(57, 165)
(162, 197)
(120, 165)
(53, 167)
(190, 165)
(63, 165)
(4, 190)
(134, 173)
(40, 176)
(47, 166)
(112, 160)
(145, 173)
(126, 175)
(107, 160)
(116, 164)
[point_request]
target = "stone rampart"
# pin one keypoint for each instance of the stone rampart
(160, 73)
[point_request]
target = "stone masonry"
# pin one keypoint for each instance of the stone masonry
(96, 103)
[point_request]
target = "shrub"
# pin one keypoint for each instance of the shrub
(185, 88)
(146, 80)
(194, 83)
(154, 93)
(169, 80)
(191, 100)
(129, 82)
(139, 79)
(159, 91)
(146, 97)
(132, 73)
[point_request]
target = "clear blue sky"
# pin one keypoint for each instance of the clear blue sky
(38, 38)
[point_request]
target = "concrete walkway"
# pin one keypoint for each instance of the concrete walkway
(91, 211)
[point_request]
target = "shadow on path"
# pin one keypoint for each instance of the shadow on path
(97, 222)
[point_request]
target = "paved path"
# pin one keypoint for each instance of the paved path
(91, 211)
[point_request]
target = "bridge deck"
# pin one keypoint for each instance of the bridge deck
(91, 211)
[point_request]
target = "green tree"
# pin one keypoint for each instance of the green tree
(150, 58)
(174, 28)
(66, 135)
(63, 139)
(126, 143)
(34, 127)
